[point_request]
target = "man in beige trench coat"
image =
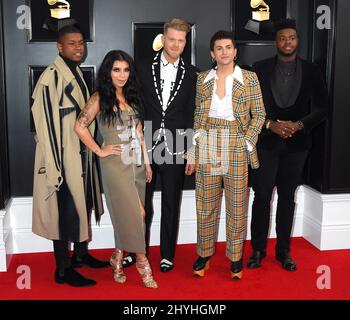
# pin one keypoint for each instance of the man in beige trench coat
(66, 185)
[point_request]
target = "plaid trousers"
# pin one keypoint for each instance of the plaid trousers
(221, 156)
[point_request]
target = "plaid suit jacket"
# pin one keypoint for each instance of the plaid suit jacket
(248, 108)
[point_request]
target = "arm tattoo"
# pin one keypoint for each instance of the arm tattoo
(84, 119)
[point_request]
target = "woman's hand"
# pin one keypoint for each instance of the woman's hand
(142, 210)
(109, 150)
(190, 169)
(148, 173)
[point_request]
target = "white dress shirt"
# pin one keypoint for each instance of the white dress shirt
(168, 72)
(222, 108)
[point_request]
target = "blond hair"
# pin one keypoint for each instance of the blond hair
(177, 24)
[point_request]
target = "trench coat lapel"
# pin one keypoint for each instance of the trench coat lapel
(72, 90)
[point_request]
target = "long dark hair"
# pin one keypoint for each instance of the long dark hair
(107, 91)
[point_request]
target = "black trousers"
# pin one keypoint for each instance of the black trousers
(61, 253)
(282, 169)
(172, 180)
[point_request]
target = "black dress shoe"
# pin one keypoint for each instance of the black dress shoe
(166, 265)
(255, 259)
(200, 266)
(129, 260)
(89, 261)
(286, 262)
(236, 269)
(73, 278)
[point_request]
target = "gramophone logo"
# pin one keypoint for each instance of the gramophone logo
(262, 14)
(260, 17)
(62, 11)
(60, 16)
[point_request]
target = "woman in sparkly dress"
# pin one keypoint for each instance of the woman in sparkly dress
(123, 157)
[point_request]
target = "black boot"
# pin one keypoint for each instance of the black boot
(236, 269)
(286, 261)
(200, 266)
(88, 260)
(255, 259)
(73, 278)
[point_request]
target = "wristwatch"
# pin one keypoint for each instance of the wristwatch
(300, 125)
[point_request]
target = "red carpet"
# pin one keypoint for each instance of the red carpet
(268, 282)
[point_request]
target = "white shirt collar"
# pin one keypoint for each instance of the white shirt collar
(237, 74)
(165, 62)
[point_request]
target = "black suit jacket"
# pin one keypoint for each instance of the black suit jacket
(311, 105)
(180, 111)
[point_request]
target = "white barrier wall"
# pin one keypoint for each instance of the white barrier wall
(323, 220)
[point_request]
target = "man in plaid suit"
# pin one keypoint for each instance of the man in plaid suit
(229, 116)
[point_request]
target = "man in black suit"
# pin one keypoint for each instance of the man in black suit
(295, 98)
(169, 88)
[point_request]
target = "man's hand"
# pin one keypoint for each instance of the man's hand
(285, 129)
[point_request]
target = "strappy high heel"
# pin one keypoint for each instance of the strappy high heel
(116, 262)
(144, 269)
